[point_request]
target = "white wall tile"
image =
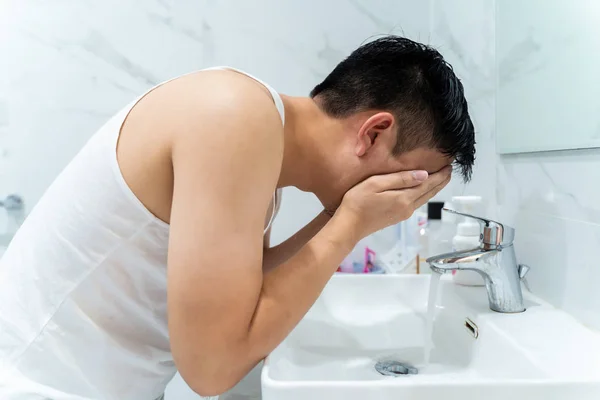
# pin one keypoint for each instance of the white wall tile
(463, 31)
(547, 75)
(552, 198)
(67, 66)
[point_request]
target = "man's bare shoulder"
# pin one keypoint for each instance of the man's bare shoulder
(236, 107)
(218, 94)
(217, 122)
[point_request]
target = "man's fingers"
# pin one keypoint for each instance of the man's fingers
(398, 180)
(433, 181)
(425, 197)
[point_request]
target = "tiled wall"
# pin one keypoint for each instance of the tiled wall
(463, 31)
(67, 66)
(551, 198)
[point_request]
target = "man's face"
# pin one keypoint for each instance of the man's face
(374, 144)
(429, 160)
(426, 159)
(367, 150)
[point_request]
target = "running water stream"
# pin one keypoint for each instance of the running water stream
(434, 284)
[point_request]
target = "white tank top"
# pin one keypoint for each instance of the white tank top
(83, 287)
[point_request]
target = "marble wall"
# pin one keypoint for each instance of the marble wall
(546, 62)
(551, 198)
(67, 66)
(463, 31)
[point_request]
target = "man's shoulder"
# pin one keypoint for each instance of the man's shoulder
(214, 102)
(225, 111)
(229, 91)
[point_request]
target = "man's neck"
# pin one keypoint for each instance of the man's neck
(303, 123)
(311, 139)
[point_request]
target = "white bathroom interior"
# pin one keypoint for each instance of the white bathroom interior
(530, 72)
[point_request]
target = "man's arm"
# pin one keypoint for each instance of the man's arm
(225, 315)
(274, 256)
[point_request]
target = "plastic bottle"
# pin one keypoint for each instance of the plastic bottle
(467, 237)
(434, 223)
(423, 235)
(402, 256)
(442, 228)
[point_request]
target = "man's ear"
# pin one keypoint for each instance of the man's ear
(372, 130)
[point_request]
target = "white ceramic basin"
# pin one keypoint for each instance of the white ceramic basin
(541, 354)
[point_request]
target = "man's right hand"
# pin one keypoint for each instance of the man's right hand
(384, 200)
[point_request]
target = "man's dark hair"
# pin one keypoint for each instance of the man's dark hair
(414, 83)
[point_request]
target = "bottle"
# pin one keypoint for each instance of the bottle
(467, 237)
(353, 263)
(429, 225)
(423, 235)
(410, 235)
(401, 257)
(442, 227)
(434, 221)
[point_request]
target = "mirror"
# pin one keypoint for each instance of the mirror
(548, 75)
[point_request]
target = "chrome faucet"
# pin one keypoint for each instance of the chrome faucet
(494, 260)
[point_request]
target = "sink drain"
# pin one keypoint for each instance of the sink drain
(395, 368)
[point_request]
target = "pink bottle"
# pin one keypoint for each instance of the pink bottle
(369, 260)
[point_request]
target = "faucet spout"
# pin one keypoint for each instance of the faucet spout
(497, 266)
(494, 259)
(460, 260)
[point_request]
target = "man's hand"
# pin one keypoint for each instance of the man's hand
(384, 200)
(393, 197)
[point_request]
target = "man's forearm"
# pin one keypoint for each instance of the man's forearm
(288, 292)
(274, 256)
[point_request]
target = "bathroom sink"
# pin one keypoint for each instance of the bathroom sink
(360, 320)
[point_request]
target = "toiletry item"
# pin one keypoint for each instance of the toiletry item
(467, 237)
(369, 260)
(393, 260)
(435, 234)
(353, 262)
(434, 215)
(346, 265)
(395, 247)
(422, 267)
(442, 228)
(371, 265)
(410, 235)
(361, 260)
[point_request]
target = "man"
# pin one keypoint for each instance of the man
(166, 212)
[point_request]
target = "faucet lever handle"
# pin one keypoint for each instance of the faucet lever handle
(492, 232)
